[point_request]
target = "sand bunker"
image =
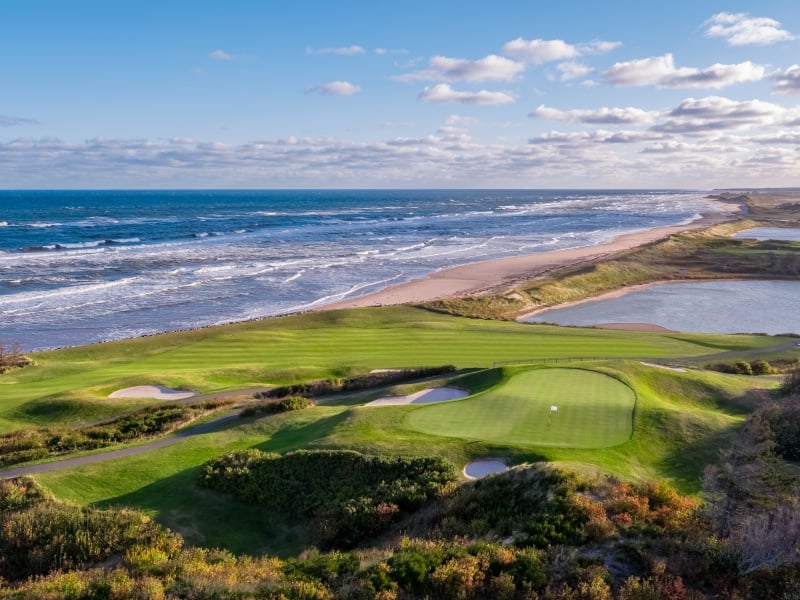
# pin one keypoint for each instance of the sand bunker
(152, 391)
(481, 468)
(678, 369)
(423, 397)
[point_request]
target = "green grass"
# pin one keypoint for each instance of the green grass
(593, 411)
(71, 386)
(681, 421)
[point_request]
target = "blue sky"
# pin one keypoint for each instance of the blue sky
(178, 94)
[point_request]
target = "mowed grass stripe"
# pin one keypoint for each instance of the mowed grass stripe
(593, 411)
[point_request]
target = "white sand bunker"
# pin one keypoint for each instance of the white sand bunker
(478, 469)
(678, 369)
(152, 391)
(422, 397)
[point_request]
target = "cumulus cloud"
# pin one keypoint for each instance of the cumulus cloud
(573, 70)
(740, 29)
(600, 116)
(715, 114)
(8, 121)
(788, 82)
(540, 51)
(335, 88)
(661, 71)
(444, 93)
(443, 68)
(342, 51)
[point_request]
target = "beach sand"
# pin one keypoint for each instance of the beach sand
(484, 276)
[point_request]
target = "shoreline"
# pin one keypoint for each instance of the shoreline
(483, 276)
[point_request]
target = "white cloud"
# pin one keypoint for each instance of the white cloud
(384, 51)
(444, 93)
(573, 70)
(598, 47)
(599, 136)
(443, 68)
(716, 114)
(8, 121)
(221, 55)
(661, 71)
(343, 51)
(740, 29)
(335, 88)
(600, 116)
(789, 81)
(540, 51)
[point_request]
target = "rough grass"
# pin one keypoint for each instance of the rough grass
(593, 411)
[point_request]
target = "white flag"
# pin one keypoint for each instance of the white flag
(553, 408)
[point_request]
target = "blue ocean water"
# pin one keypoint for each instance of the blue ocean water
(78, 267)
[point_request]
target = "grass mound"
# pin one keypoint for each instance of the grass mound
(593, 410)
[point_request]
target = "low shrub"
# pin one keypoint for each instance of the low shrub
(287, 404)
(348, 495)
(26, 445)
(333, 386)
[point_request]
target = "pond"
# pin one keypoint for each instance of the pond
(771, 307)
(770, 233)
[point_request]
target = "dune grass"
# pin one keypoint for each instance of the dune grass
(592, 410)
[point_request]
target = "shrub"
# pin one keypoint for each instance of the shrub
(761, 367)
(287, 404)
(332, 386)
(304, 483)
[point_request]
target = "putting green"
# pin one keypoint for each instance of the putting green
(592, 411)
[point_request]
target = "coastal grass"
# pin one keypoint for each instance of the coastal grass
(71, 386)
(566, 408)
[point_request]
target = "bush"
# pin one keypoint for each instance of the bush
(349, 495)
(790, 385)
(761, 367)
(287, 404)
(333, 386)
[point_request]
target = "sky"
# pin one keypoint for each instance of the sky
(695, 94)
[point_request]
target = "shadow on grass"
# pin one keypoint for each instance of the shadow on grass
(215, 520)
(212, 519)
(685, 465)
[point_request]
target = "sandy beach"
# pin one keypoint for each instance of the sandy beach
(483, 276)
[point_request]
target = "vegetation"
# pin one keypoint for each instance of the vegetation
(348, 495)
(593, 510)
(24, 445)
(708, 254)
(351, 384)
(286, 404)
(12, 357)
(568, 538)
(71, 386)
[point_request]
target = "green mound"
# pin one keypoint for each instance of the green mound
(592, 410)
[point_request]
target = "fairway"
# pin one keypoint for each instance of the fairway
(592, 411)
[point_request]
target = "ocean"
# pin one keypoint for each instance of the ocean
(78, 267)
